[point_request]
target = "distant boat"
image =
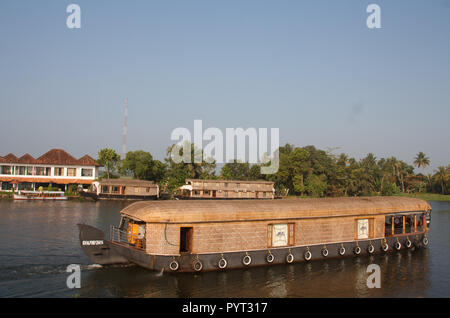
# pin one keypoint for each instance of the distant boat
(122, 189)
(40, 195)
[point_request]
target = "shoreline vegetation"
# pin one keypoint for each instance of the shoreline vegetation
(303, 171)
(424, 196)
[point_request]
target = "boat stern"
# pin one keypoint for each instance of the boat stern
(96, 248)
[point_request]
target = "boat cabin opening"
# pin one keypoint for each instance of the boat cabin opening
(403, 223)
(130, 232)
(186, 235)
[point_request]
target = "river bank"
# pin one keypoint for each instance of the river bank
(424, 196)
(427, 196)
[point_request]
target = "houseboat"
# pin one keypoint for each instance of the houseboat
(225, 189)
(122, 189)
(40, 195)
(207, 235)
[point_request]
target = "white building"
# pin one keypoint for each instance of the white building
(55, 167)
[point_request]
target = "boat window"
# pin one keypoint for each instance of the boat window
(124, 223)
(388, 225)
(398, 224)
(281, 234)
(105, 189)
(186, 239)
(419, 221)
(362, 231)
(409, 223)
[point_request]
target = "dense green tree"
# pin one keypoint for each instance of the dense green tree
(441, 175)
(109, 159)
(315, 185)
(142, 166)
(235, 171)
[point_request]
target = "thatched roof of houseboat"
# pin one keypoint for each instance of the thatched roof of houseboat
(193, 211)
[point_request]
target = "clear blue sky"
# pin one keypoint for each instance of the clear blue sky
(311, 68)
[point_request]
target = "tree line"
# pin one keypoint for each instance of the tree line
(303, 171)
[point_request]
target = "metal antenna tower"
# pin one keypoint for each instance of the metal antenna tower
(124, 141)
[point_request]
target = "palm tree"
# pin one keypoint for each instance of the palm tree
(421, 160)
(441, 175)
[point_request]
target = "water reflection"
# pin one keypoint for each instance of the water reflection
(403, 274)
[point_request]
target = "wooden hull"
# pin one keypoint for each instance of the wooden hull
(235, 260)
(114, 253)
(104, 196)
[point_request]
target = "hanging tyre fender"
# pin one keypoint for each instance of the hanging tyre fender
(290, 257)
(408, 243)
(384, 246)
(198, 265)
(342, 250)
(270, 258)
(174, 265)
(222, 263)
(307, 255)
(246, 260)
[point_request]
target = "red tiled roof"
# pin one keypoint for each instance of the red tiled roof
(52, 157)
(10, 158)
(57, 157)
(27, 159)
(87, 160)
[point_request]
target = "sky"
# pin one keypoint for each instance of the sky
(313, 69)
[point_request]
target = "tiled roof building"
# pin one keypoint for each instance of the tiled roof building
(55, 166)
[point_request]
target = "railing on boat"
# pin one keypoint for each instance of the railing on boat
(125, 238)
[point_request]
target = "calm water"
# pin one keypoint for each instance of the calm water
(38, 240)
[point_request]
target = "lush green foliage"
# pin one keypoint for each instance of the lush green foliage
(141, 165)
(109, 159)
(302, 171)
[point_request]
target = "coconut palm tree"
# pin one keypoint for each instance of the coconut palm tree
(441, 176)
(421, 160)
